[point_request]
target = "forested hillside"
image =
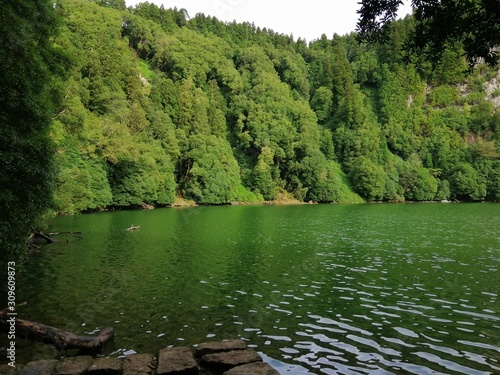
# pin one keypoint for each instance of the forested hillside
(160, 106)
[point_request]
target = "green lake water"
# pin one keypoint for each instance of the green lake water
(321, 289)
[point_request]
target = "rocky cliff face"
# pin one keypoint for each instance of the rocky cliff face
(492, 89)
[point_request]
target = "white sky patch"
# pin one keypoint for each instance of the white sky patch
(305, 19)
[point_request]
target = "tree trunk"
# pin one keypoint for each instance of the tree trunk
(61, 339)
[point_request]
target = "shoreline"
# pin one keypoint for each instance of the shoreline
(278, 202)
(227, 357)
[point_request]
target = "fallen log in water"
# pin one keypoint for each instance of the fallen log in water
(61, 339)
(48, 237)
(43, 236)
(73, 233)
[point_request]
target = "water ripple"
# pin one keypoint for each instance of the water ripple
(363, 289)
(450, 365)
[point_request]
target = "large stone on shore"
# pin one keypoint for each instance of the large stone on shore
(41, 367)
(219, 346)
(106, 366)
(74, 365)
(138, 364)
(176, 361)
(256, 368)
(226, 360)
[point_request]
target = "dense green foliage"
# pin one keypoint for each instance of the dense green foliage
(158, 107)
(439, 24)
(28, 96)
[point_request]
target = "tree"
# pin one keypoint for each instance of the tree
(417, 182)
(27, 103)
(321, 103)
(117, 4)
(213, 175)
(466, 183)
(263, 180)
(368, 179)
(81, 184)
(474, 23)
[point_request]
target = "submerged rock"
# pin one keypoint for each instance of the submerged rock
(226, 360)
(41, 367)
(219, 346)
(256, 368)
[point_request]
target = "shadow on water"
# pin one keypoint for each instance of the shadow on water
(333, 289)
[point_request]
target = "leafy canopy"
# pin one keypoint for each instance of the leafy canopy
(439, 24)
(28, 97)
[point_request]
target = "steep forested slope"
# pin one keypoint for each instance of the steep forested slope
(159, 106)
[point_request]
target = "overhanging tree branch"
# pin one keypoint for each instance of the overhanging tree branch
(475, 24)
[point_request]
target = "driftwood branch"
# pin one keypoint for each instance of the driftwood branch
(61, 339)
(48, 237)
(70, 232)
(73, 233)
(44, 237)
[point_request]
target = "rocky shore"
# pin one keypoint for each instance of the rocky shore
(230, 357)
